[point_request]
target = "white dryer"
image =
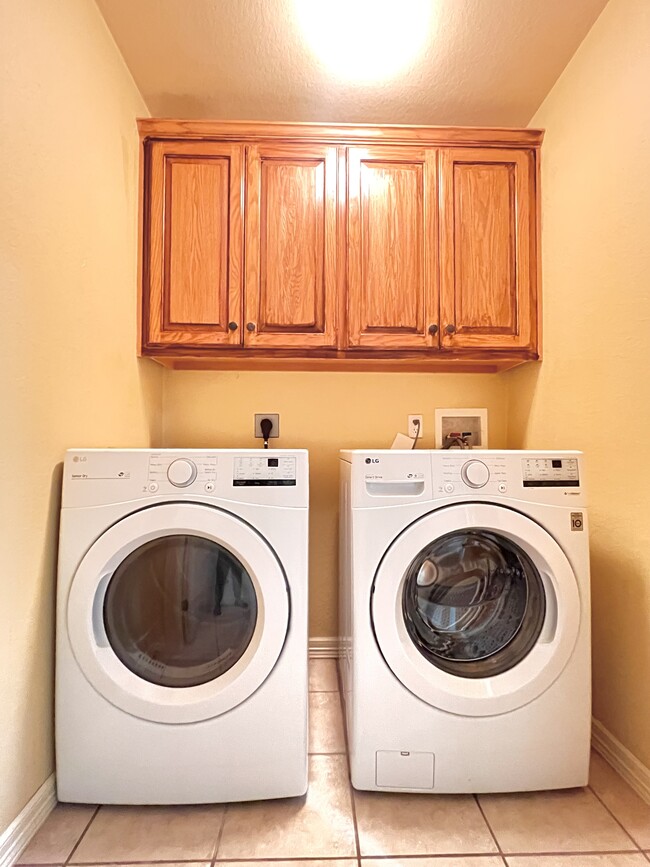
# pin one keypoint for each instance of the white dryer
(181, 655)
(465, 620)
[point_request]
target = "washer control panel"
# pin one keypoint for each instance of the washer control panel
(179, 471)
(462, 471)
(550, 473)
(264, 471)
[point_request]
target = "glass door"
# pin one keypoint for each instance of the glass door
(473, 603)
(178, 612)
(476, 609)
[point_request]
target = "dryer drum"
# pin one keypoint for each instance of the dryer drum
(180, 611)
(473, 603)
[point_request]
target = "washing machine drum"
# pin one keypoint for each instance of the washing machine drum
(473, 603)
(476, 609)
(178, 612)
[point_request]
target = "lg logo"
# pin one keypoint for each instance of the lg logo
(372, 460)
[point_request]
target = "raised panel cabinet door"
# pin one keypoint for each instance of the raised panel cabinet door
(488, 249)
(392, 248)
(291, 244)
(192, 269)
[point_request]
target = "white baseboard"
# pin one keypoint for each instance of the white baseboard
(322, 647)
(27, 823)
(621, 759)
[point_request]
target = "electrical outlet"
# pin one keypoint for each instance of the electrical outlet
(275, 418)
(414, 429)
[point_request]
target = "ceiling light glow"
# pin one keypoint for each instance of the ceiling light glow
(365, 41)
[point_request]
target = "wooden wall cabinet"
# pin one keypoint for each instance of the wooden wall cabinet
(316, 247)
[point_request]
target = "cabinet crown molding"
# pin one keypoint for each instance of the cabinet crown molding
(343, 133)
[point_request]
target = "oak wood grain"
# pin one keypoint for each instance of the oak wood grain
(487, 221)
(291, 246)
(193, 244)
(358, 239)
(367, 361)
(342, 134)
(392, 247)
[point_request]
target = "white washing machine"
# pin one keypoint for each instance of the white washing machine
(181, 655)
(465, 620)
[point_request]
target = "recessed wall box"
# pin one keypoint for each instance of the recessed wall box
(471, 424)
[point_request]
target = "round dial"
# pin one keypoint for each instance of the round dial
(181, 472)
(475, 474)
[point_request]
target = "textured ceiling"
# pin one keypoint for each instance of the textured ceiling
(482, 62)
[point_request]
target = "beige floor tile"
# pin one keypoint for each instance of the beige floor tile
(454, 861)
(151, 834)
(325, 723)
(322, 675)
(406, 824)
(316, 826)
(631, 811)
(636, 860)
(57, 836)
(565, 821)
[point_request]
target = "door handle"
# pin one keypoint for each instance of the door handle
(99, 630)
(549, 627)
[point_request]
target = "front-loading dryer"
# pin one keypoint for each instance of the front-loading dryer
(465, 620)
(181, 654)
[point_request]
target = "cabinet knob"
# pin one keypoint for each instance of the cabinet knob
(232, 326)
(433, 329)
(450, 329)
(250, 326)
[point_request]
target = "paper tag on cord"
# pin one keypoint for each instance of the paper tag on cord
(401, 441)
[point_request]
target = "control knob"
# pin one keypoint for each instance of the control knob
(475, 474)
(181, 472)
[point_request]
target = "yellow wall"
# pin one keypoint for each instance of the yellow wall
(322, 412)
(69, 375)
(592, 392)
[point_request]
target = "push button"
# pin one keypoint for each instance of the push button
(153, 487)
(209, 487)
(502, 487)
(449, 488)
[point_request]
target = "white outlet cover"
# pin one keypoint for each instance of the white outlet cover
(481, 414)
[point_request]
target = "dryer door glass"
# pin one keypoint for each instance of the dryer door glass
(473, 603)
(180, 610)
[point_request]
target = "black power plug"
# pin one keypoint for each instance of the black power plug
(266, 426)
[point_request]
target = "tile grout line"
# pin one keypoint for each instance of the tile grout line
(337, 753)
(489, 827)
(347, 761)
(420, 855)
(618, 822)
(219, 835)
(82, 835)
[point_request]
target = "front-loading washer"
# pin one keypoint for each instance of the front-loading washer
(465, 620)
(181, 650)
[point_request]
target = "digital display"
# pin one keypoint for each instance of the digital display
(557, 464)
(272, 462)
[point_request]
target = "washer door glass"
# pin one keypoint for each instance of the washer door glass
(473, 603)
(180, 611)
